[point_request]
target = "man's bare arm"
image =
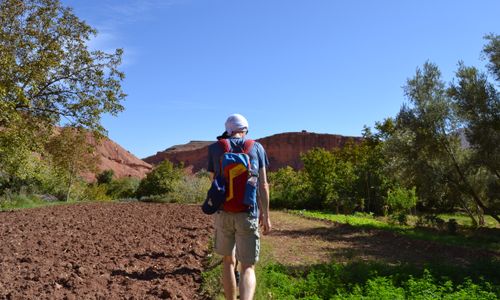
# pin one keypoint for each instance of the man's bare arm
(264, 201)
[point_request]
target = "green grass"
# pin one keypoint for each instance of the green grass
(368, 280)
(211, 278)
(354, 220)
(464, 220)
(17, 202)
(469, 238)
(371, 281)
(364, 280)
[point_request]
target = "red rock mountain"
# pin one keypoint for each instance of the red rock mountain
(283, 149)
(114, 157)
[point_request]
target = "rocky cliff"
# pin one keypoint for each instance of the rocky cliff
(114, 157)
(283, 149)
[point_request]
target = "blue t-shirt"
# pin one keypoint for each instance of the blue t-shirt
(258, 156)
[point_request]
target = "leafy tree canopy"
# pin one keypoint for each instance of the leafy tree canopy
(48, 76)
(424, 144)
(47, 71)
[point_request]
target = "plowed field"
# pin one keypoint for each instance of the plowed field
(103, 251)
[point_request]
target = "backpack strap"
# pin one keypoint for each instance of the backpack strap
(224, 143)
(226, 146)
(247, 146)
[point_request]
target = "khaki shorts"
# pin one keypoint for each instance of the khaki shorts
(240, 230)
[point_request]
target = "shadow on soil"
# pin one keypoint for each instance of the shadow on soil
(349, 242)
(153, 255)
(153, 273)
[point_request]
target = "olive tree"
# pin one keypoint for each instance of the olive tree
(425, 148)
(48, 75)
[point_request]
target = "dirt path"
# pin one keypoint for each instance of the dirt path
(103, 251)
(299, 241)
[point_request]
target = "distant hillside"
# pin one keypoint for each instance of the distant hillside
(120, 160)
(112, 156)
(283, 149)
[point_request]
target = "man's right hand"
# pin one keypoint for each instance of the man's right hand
(265, 222)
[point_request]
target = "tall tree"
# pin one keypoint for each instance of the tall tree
(417, 145)
(477, 103)
(331, 179)
(48, 74)
(72, 152)
(492, 53)
(426, 149)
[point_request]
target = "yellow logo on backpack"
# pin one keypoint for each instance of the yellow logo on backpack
(236, 170)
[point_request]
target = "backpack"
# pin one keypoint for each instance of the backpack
(216, 196)
(240, 182)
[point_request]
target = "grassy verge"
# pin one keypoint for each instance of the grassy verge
(18, 202)
(464, 220)
(485, 240)
(211, 277)
(362, 280)
(25, 201)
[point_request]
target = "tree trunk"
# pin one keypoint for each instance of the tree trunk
(475, 223)
(70, 184)
(367, 179)
(480, 216)
(69, 190)
(468, 186)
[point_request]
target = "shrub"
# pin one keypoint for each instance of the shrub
(452, 226)
(160, 181)
(402, 218)
(359, 281)
(190, 189)
(289, 189)
(95, 192)
(105, 177)
(401, 199)
(434, 221)
(123, 188)
(10, 201)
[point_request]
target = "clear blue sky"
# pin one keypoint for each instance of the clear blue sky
(322, 66)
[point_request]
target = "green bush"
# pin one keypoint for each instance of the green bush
(182, 188)
(190, 189)
(105, 177)
(161, 181)
(288, 189)
(364, 281)
(401, 200)
(123, 188)
(452, 226)
(320, 167)
(400, 218)
(95, 192)
(14, 201)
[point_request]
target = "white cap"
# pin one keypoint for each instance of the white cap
(235, 123)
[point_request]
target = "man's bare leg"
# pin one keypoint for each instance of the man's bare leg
(247, 282)
(228, 278)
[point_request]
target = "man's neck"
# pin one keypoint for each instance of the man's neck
(238, 135)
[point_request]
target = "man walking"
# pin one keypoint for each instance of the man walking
(236, 224)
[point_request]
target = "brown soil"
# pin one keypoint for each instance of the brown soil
(299, 241)
(103, 251)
